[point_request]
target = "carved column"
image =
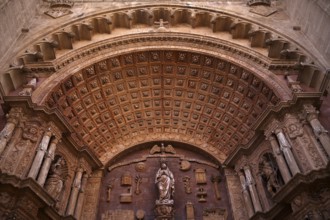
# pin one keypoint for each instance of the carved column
(74, 192)
(318, 129)
(43, 146)
(47, 162)
(246, 195)
(286, 148)
(252, 189)
(280, 159)
(81, 196)
(7, 131)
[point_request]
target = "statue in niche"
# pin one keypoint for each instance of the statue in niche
(55, 181)
(269, 173)
(165, 184)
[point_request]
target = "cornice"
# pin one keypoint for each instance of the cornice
(29, 183)
(168, 6)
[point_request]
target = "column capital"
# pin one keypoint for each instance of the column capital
(79, 169)
(271, 127)
(310, 112)
(48, 132)
(278, 130)
(55, 140)
(55, 130)
(14, 115)
(271, 137)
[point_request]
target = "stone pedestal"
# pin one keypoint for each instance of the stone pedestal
(164, 211)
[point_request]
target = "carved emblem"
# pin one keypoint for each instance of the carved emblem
(126, 179)
(200, 175)
(162, 149)
(186, 183)
(201, 194)
(31, 132)
(59, 8)
(138, 181)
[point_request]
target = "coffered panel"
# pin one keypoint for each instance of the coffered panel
(163, 92)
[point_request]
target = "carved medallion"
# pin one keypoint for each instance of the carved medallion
(140, 167)
(185, 165)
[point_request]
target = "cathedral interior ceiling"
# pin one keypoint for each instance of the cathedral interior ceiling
(124, 77)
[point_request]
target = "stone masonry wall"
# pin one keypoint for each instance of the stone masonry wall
(14, 15)
(314, 19)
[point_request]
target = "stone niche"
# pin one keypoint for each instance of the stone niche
(142, 164)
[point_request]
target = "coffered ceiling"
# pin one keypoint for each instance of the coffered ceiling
(162, 94)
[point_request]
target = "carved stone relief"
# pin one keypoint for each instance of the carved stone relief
(200, 175)
(185, 165)
(144, 187)
(138, 181)
(187, 184)
(216, 180)
(19, 154)
(126, 179)
(308, 154)
(235, 194)
(57, 176)
(190, 213)
(91, 201)
(214, 214)
(201, 194)
(59, 8)
(269, 172)
(118, 215)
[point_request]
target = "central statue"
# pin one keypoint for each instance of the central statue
(165, 184)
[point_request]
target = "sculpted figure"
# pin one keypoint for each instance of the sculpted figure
(54, 183)
(269, 174)
(165, 184)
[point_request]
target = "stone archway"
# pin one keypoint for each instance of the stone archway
(103, 82)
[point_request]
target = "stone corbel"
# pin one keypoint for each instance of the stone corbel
(29, 88)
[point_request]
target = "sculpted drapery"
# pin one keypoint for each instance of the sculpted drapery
(165, 184)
